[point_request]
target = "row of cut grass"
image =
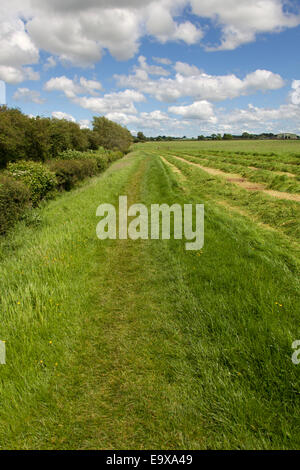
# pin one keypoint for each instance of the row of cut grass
(269, 178)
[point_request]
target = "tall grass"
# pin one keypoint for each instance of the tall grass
(134, 345)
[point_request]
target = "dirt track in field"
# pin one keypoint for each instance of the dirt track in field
(173, 167)
(242, 182)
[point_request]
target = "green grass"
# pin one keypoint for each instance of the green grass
(256, 146)
(281, 215)
(278, 171)
(153, 347)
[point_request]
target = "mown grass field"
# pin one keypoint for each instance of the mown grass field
(141, 344)
(278, 147)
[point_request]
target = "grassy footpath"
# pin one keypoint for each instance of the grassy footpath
(132, 345)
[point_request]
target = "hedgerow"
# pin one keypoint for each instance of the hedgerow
(40, 139)
(102, 157)
(69, 172)
(36, 176)
(26, 183)
(14, 199)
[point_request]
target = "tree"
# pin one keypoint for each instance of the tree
(13, 125)
(59, 137)
(78, 139)
(141, 137)
(37, 136)
(111, 135)
(246, 135)
(91, 138)
(39, 139)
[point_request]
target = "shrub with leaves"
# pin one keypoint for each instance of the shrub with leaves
(73, 155)
(14, 200)
(69, 172)
(102, 162)
(112, 156)
(101, 156)
(39, 179)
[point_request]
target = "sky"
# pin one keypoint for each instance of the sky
(168, 67)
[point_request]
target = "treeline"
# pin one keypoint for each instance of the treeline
(245, 136)
(166, 138)
(40, 139)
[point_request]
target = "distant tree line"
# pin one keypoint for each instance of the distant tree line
(161, 138)
(40, 139)
(245, 136)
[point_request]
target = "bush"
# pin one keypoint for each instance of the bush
(113, 156)
(72, 155)
(102, 162)
(101, 157)
(14, 199)
(39, 179)
(69, 172)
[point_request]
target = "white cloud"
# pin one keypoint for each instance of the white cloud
(259, 119)
(72, 88)
(151, 69)
(201, 110)
(64, 84)
(253, 114)
(92, 87)
(24, 94)
(295, 93)
(123, 118)
(50, 63)
(156, 122)
(17, 48)
(160, 23)
(191, 82)
(187, 70)
(251, 119)
(61, 115)
(115, 29)
(79, 32)
(63, 36)
(188, 33)
(162, 60)
(263, 80)
(121, 102)
(242, 20)
(17, 74)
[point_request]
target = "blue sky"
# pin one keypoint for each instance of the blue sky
(180, 67)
